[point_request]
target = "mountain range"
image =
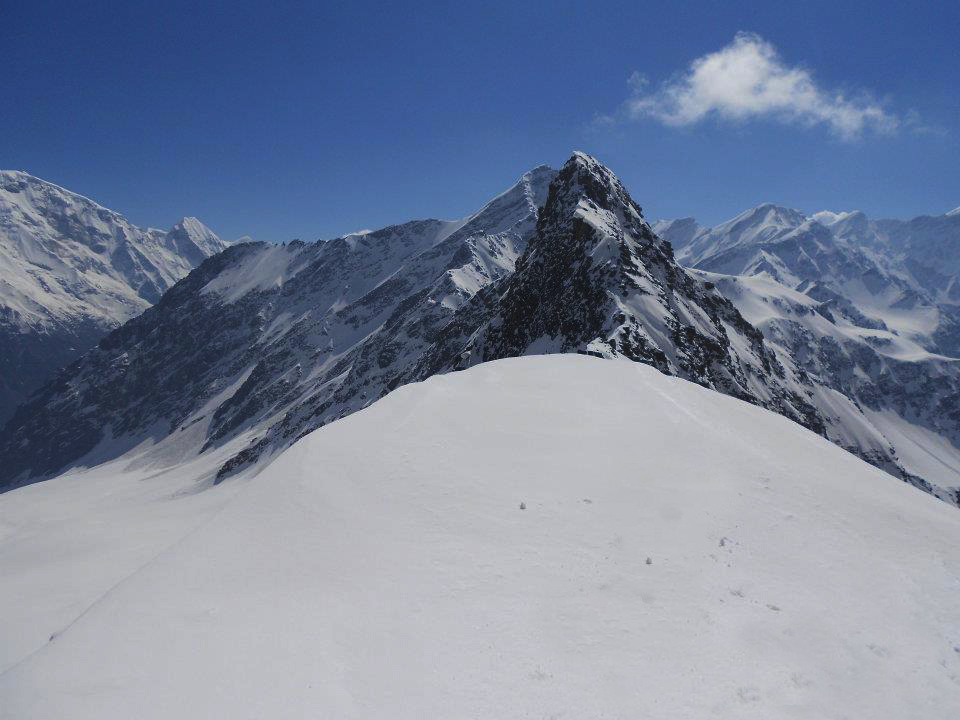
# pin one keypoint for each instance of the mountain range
(867, 308)
(834, 321)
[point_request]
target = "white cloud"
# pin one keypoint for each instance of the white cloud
(747, 79)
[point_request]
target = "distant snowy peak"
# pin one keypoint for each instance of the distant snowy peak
(845, 251)
(71, 270)
(828, 217)
(766, 215)
(194, 240)
(36, 192)
(679, 233)
(931, 241)
(65, 256)
(853, 226)
(759, 224)
(843, 258)
(764, 223)
(513, 210)
(489, 242)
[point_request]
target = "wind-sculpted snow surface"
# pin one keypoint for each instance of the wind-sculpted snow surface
(533, 537)
(71, 271)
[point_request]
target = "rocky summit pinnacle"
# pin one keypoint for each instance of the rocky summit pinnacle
(596, 279)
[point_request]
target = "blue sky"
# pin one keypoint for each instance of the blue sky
(281, 120)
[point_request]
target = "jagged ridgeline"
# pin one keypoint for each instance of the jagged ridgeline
(262, 344)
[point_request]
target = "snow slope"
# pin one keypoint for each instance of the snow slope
(681, 554)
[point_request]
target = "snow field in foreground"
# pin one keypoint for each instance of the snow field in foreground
(382, 568)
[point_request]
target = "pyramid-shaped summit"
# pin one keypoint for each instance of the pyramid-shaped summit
(596, 279)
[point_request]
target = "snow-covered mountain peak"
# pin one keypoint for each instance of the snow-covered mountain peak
(513, 210)
(536, 182)
(687, 223)
(67, 256)
(680, 233)
(762, 222)
(753, 227)
(595, 279)
(197, 230)
(70, 270)
(33, 191)
(585, 177)
(585, 194)
(194, 240)
(541, 171)
(829, 217)
(854, 227)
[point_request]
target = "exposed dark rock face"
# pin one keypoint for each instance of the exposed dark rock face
(151, 369)
(596, 279)
(29, 359)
